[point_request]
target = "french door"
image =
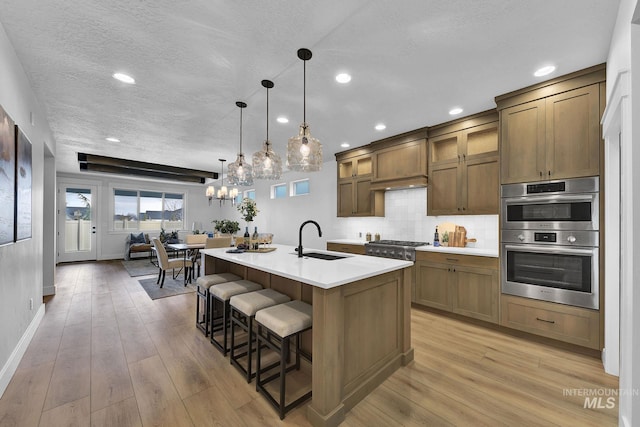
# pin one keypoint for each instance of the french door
(77, 207)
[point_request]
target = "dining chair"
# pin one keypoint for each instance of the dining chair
(194, 254)
(165, 263)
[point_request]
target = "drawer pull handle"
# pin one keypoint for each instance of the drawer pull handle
(546, 321)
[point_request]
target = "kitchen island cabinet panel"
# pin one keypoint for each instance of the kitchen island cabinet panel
(361, 319)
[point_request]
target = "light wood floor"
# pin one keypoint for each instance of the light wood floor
(107, 355)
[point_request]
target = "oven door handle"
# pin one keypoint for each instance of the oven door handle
(534, 200)
(549, 250)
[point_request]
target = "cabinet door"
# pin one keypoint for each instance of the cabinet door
(573, 133)
(362, 197)
(443, 196)
(433, 287)
(522, 146)
(475, 293)
(481, 186)
(345, 198)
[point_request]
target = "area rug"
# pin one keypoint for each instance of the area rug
(170, 288)
(140, 267)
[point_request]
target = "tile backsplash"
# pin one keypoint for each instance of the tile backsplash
(405, 219)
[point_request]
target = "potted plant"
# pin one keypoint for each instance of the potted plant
(445, 239)
(248, 209)
(226, 226)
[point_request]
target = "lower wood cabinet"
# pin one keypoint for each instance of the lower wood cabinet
(346, 247)
(462, 284)
(575, 325)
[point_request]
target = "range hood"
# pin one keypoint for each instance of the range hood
(400, 183)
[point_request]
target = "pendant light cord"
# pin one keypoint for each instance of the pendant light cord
(240, 130)
(304, 93)
(267, 117)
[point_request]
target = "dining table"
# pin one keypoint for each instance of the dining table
(186, 249)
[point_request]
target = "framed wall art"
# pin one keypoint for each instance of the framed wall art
(7, 178)
(23, 185)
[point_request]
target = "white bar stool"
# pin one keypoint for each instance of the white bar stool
(276, 325)
(243, 311)
(220, 295)
(202, 296)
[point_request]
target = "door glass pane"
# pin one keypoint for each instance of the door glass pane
(125, 214)
(172, 213)
(77, 220)
(150, 210)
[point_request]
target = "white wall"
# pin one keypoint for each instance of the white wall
(624, 56)
(21, 263)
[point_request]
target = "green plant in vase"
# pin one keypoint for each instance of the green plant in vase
(226, 226)
(248, 209)
(445, 239)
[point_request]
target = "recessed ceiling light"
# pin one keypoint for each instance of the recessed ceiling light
(455, 111)
(544, 71)
(343, 78)
(112, 139)
(282, 119)
(124, 78)
(345, 145)
(380, 126)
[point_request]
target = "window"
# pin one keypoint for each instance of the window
(147, 210)
(250, 194)
(278, 191)
(300, 188)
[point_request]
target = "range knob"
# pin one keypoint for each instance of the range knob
(521, 237)
(571, 239)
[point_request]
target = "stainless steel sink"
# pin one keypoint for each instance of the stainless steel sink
(319, 255)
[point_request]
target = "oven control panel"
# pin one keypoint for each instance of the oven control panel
(558, 238)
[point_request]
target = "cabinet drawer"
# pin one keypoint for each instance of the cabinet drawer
(455, 259)
(345, 247)
(570, 324)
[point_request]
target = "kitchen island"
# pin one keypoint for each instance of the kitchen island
(361, 317)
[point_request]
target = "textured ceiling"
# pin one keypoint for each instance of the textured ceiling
(411, 62)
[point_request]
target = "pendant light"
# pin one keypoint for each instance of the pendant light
(223, 194)
(267, 164)
(240, 171)
(304, 152)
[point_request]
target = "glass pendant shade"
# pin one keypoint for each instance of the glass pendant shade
(304, 152)
(267, 164)
(240, 172)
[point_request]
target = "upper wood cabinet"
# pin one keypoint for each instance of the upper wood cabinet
(552, 130)
(355, 197)
(463, 166)
(400, 161)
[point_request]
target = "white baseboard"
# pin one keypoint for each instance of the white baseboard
(10, 367)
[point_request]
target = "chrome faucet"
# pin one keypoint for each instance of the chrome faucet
(300, 235)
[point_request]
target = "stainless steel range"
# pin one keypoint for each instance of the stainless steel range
(396, 249)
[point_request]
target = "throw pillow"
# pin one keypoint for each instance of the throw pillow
(139, 238)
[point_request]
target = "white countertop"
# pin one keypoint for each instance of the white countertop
(348, 241)
(316, 272)
(461, 251)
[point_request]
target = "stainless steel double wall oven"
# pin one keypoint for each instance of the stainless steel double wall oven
(549, 241)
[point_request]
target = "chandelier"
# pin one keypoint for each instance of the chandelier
(223, 194)
(267, 164)
(240, 171)
(304, 152)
